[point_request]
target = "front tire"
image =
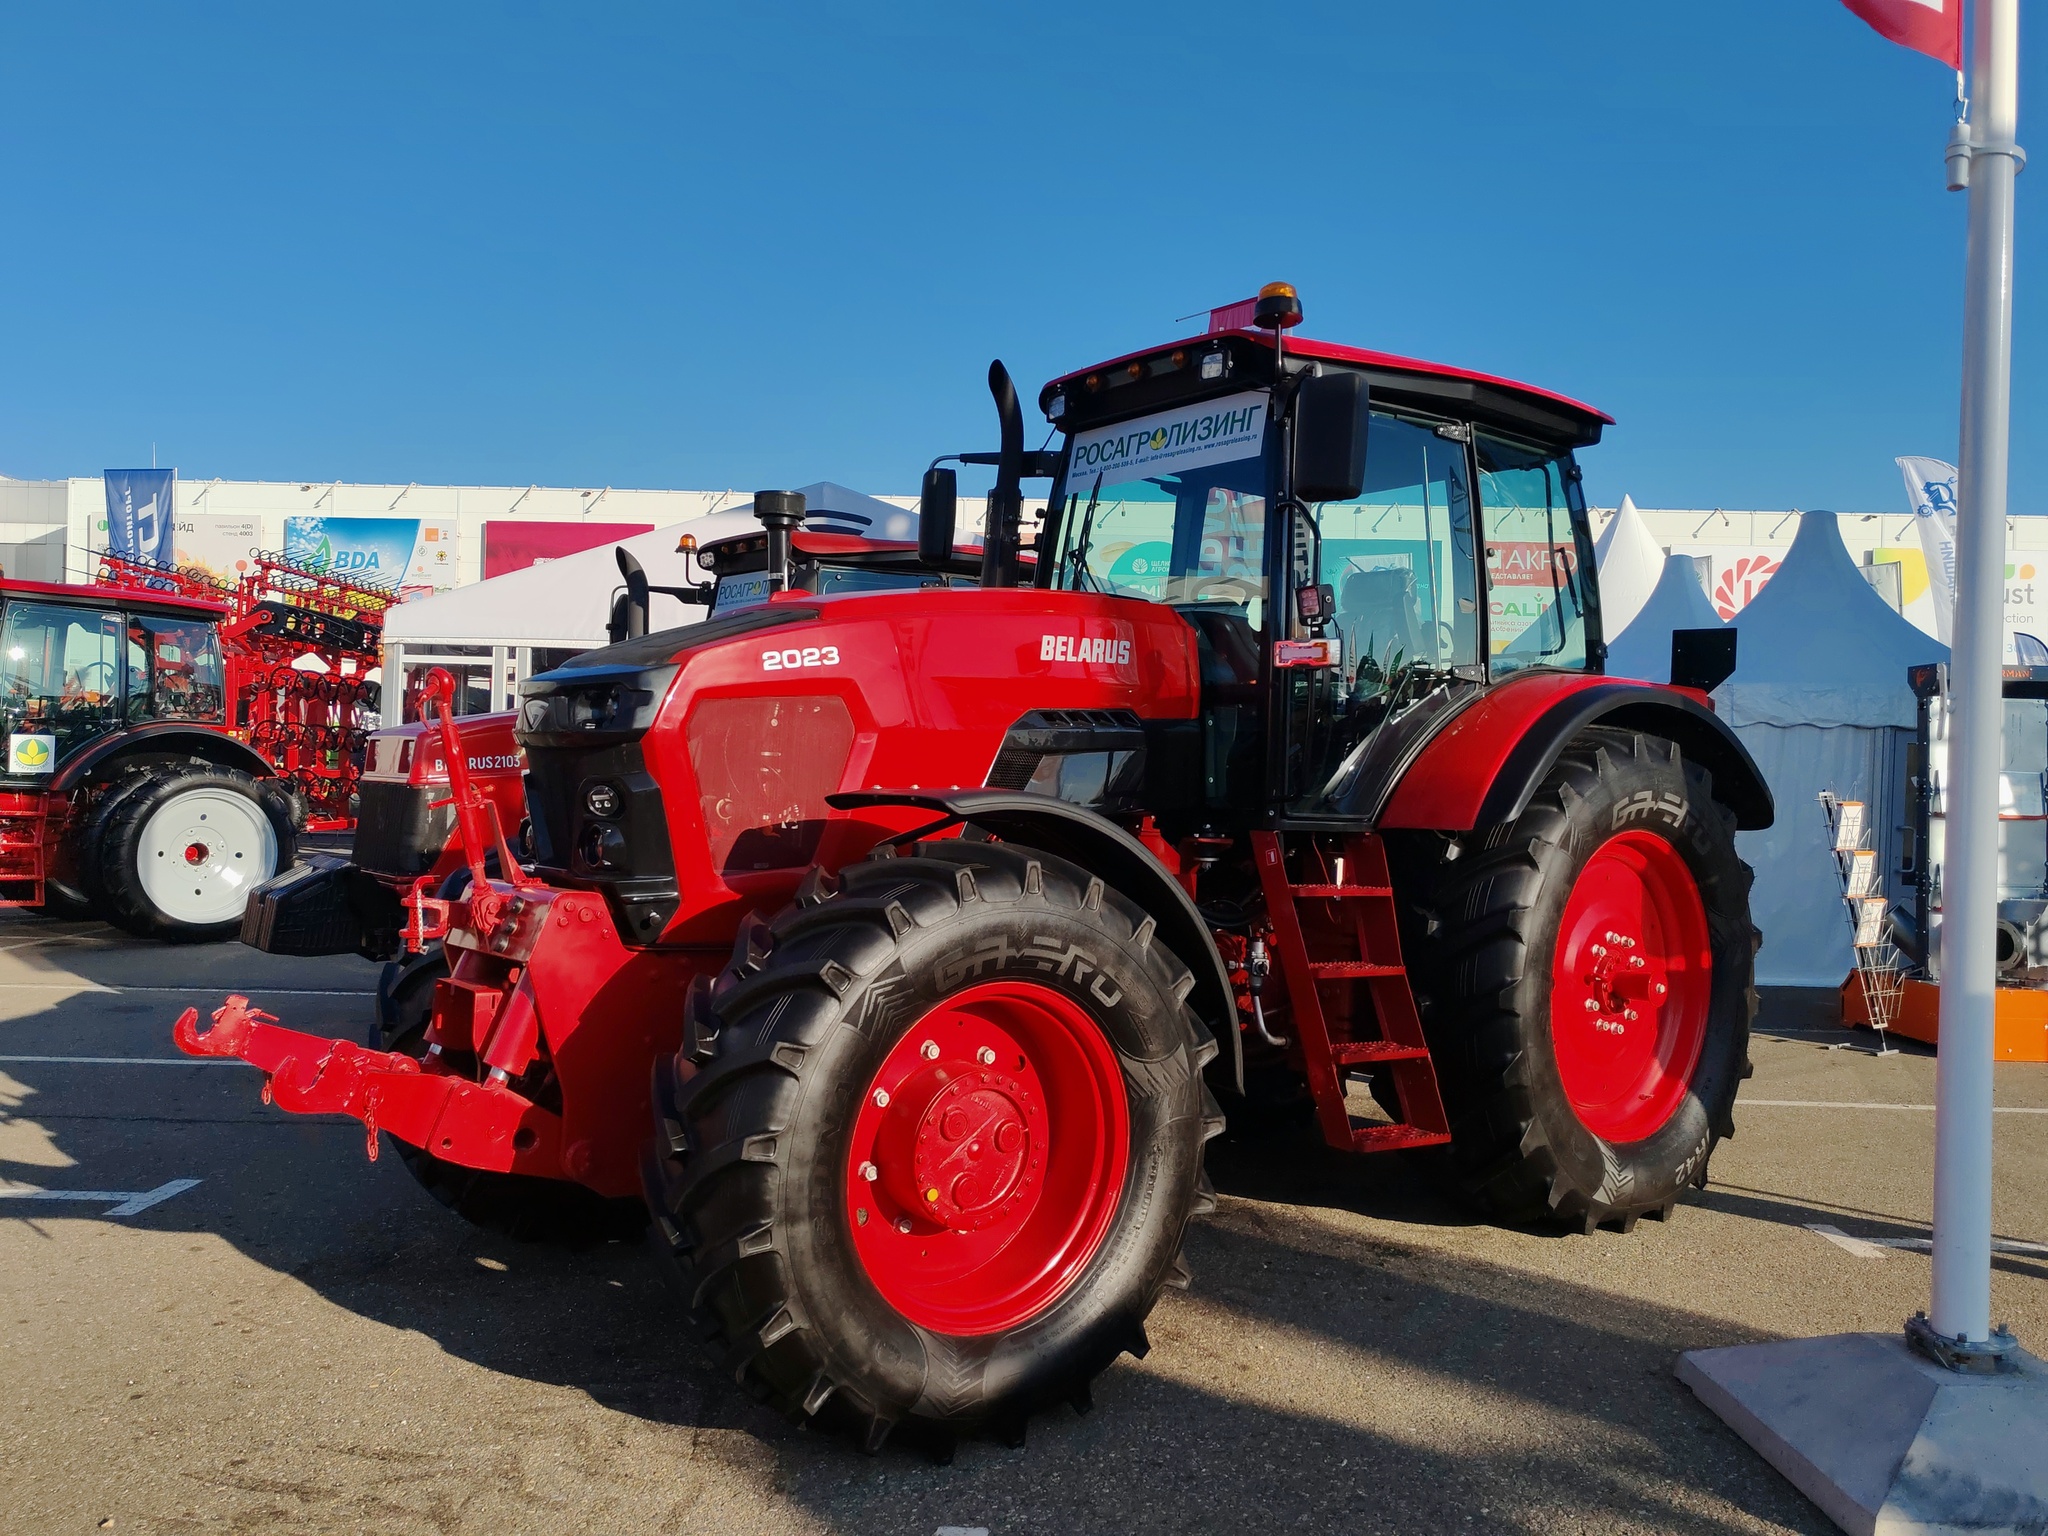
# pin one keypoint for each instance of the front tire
(1586, 976)
(178, 855)
(932, 1142)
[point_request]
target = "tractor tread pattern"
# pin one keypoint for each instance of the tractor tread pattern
(814, 970)
(1475, 936)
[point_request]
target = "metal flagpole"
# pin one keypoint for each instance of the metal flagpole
(1961, 1307)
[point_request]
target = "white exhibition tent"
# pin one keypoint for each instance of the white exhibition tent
(1678, 601)
(1820, 698)
(566, 603)
(1630, 562)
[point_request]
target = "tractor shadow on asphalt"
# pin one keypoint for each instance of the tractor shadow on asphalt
(1314, 1375)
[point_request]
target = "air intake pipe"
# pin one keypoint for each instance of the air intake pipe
(781, 513)
(1006, 501)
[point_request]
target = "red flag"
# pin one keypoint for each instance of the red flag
(1934, 27)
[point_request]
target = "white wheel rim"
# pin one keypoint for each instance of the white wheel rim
(202, 852)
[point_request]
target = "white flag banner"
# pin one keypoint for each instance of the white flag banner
(1931, 492)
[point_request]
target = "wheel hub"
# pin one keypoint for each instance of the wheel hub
(195, 853)
(1631, 986)
(987, 1158)
(972, 1157)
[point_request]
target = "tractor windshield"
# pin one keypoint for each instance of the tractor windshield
(60, 683)
(1171, 508)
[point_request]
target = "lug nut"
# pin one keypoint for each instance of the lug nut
(1629, 1014)
(1592, 1005)
(929, 1050)
(903, 1224)
(1661, 989)
(881, 1098)
(1636, 962)
(870, 1172)
(985, 1056)
(1597, 951)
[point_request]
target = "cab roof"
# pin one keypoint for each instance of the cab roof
(1494, 396)
(99, 595)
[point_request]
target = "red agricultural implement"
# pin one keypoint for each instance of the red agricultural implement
(887, 946)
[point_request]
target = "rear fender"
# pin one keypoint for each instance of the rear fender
(1100, 846)
(1484, 766)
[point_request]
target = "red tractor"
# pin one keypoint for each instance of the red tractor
(125, 791)
(889, 944)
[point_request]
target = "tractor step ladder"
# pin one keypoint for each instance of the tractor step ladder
(1365, 917)
(24, 838)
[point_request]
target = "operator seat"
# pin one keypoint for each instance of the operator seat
(1377, 613)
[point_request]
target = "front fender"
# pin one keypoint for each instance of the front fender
(1100, 846)
(1482, 768)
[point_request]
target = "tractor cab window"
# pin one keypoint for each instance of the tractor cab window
(1402, 562)
(59, 680)
(174, 670)
(1541, 604)
(1400, 558)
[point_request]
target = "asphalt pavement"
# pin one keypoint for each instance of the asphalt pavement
(302, 1340)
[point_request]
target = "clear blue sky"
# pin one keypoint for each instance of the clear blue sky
(766, 244)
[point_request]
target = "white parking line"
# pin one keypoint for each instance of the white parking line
(127, 1202)
(133, 1061)
(1749, 1103)
(1878, 1247)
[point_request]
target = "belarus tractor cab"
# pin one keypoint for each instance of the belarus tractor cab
(124, 792)
(940, 918)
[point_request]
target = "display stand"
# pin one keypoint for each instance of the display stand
(1879, 966)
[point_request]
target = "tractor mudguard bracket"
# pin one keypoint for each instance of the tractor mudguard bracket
(479, 1126)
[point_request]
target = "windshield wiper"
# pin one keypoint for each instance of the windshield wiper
(1079, 554)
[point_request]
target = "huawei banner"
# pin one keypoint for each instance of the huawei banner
(513, 546)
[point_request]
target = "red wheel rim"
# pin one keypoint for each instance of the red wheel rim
(988, 1158)
(1630, 987)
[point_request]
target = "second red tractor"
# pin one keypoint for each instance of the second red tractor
(895, 949)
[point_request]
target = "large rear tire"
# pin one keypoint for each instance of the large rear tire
(1585, 973)
(932, 1142)
(553, 1211)
(177, 855)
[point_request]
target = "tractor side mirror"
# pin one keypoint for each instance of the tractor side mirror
(938, 506)
(1702, 658)
(1331, 415)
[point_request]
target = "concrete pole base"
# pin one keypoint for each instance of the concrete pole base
(1881, 1438)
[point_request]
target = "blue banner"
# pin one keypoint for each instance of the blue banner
(139, 508)
(369, 551)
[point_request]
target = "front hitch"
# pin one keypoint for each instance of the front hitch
(475, 1124)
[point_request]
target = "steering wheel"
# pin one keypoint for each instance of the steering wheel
(1236, 591)
(85, 677)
